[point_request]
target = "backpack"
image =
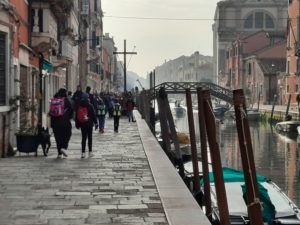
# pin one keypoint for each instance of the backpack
(100, 110)
(57, 107)
(82, 114)
(117, 110)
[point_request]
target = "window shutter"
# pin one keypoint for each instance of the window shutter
(2, 68)
(85, 7)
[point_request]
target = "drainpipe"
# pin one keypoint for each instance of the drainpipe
(40, 117)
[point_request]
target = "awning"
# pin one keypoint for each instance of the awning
(47, 66)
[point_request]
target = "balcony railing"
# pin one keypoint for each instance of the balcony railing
(44, 30)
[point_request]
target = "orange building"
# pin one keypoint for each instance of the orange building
(15, 65)
(290, 83)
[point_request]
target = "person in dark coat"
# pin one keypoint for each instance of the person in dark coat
(91, 96)
(87, 125)
(129, 107)
(77, 97)
(117, 112)
(61, 126)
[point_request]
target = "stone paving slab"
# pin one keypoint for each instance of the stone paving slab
(115, 186)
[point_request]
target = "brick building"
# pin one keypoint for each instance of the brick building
(254, 63)
(243, 17)
(290, 83)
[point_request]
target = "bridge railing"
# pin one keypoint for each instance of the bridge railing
(180, 87)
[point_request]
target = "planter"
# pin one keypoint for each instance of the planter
(27, 143)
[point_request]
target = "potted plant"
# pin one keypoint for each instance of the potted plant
(28, 140)
(27, 137)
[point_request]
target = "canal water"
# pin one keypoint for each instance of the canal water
(276, 156)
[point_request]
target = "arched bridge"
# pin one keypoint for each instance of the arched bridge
(179, 88)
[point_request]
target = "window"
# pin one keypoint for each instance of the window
(41, 20)
(249, 22)
(94, 40)
(288, 67)
(85, 7)
(259, 20)
(298, 66)
(298, 30)
(296, 88)
(269, 21)
(287, 88)
(3, 68)
(249, 69)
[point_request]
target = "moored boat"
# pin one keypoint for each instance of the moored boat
(287, 127)
(277, 207)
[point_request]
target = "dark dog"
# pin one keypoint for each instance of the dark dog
(44, 139)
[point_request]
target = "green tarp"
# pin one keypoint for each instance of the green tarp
(231, 175)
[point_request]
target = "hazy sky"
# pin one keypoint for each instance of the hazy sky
(159, 40)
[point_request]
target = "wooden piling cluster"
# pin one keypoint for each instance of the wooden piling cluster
(207, 126)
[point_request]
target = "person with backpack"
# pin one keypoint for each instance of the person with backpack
(117, 111)
(91, 96)
(77, 97)
(61, 113)
(85, 120)
(100, 113)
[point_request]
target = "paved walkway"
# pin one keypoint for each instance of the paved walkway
(114, 187)
(120, 185)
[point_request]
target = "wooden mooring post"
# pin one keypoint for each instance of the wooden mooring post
(146, 102)
(168, 128)
(273, 107)
(204, 156)
(216, 159)
(288, 107)
(193, 139)
(242, 125)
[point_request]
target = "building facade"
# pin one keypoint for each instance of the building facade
(243, 17)
(46, 45)
(194, 68)
(254, 63)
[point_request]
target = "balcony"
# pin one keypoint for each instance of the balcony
(44, 28)
(65, 28)
(65, 54)
(61, 8)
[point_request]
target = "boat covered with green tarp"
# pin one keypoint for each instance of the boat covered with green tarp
(277, 207)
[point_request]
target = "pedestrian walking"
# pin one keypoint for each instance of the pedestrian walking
(61, 113)
(100, 113)
(85, 120)
(130, 106)
(117, 111)
(77, 97)
(91, 96)
(71, 99)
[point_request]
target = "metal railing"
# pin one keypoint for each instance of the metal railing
(180, 87)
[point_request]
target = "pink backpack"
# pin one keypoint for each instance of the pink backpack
(57, 107)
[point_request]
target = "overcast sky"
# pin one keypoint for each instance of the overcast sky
(159, 40)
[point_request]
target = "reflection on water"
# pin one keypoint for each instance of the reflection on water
(276, 156)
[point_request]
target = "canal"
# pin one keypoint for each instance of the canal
(276, 156)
